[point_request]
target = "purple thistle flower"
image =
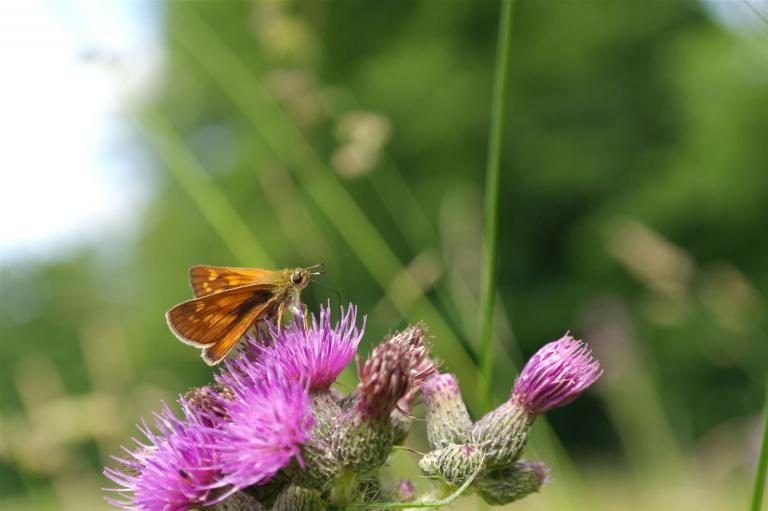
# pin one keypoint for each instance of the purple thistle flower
(314, 356)
(177, 470)
(556, 375)
(268, 420)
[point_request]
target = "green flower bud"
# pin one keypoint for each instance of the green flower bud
(405, 491)
(295, 498)
(321, 468)
(448, 421)
(502, 433)
(326, 411)
(454, 463)
(503, 485)
(361, 444)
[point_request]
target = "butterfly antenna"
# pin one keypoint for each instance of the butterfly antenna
(338, 295)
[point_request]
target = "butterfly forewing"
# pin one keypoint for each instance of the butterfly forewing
(220, 318)
(207, 280)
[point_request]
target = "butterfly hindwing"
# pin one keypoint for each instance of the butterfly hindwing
(220, 318)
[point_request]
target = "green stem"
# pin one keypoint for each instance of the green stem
(343, 490)
(762, 462)
(421, 505)
(493, 173)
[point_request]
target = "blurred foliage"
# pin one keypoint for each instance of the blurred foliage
(634, 197)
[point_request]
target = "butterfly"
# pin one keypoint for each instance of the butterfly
(229, 300)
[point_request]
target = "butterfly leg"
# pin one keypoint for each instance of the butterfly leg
(280, 313)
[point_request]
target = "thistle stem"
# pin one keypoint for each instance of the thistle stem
(421, 505)
(493, 173)
(762, 462)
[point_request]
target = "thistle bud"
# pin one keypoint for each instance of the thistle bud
(364, 436)
(416, 347)
(361, 444)
(384, 379)
(454, 464)
(448, 421)
(502, 433)
(295, 498)
(320, 469)
(405, 491)
(504, 485)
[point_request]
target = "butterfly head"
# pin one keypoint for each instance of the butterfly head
(300, 277)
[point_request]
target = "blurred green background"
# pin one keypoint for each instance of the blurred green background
(633, 213)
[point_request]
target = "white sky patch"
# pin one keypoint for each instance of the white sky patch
(740, 14)
(67, 171)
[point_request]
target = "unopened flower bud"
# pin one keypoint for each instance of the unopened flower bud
(320, 469)
(502, 433)
(364, 435)
(455, 463)
(448, 421)
(405, 491)
(503, 485)
(361, 444)
(295, 498)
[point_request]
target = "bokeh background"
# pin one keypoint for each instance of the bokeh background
(140, 138)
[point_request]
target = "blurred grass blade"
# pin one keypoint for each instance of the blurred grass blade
(490, 220)
(762, 462)
(208, 197)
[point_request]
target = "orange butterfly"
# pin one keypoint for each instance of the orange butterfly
(229, 300)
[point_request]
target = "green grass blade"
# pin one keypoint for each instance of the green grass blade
(209, 199)
(493, 174)
(762, 462)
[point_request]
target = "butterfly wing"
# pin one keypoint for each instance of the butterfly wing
(207, 280)
(217, 321)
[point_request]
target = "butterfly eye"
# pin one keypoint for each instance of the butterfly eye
(296, 278)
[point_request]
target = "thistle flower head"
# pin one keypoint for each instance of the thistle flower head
(555, 375)
(315, 356)
(416, 347)
(384, 379)
(177, 470)
(269, 419)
